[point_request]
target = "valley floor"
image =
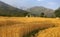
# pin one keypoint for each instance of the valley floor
(27, 26)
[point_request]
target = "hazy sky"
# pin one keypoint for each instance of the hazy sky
(52, 4)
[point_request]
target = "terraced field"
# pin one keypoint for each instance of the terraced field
(27, 27)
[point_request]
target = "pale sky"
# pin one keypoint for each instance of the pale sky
(52, 4)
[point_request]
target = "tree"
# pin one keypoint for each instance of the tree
(26, 13)
(42, 15)
(57, 12)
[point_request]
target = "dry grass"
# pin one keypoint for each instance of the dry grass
(51, 32)
(22, 27)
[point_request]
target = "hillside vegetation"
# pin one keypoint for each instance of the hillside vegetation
(10, 11)
(57, 12)
(37, 10)
(25, 27)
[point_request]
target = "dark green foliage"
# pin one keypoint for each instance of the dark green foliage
(57, 12)
(42, 14)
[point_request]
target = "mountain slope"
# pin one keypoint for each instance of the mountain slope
(37, 10)
(7, 10)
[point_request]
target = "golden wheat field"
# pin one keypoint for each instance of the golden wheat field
(51, 32)
(29, 27)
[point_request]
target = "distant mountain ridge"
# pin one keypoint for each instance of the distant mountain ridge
(7, 10)
(37, 10)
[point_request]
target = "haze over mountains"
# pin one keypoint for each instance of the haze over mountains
(7, 10)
